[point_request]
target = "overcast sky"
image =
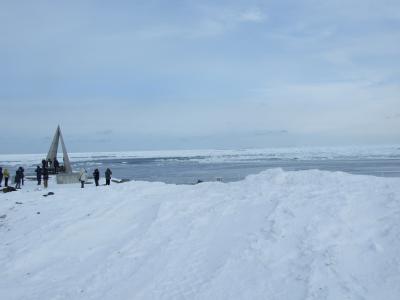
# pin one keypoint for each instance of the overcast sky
(130, 75)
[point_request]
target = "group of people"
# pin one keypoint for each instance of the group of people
(96, 176)
(18, 178)
(52, 164)
(42, 172)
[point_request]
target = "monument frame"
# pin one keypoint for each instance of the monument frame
(67, 176)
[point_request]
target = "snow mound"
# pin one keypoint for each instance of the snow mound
(275, 235)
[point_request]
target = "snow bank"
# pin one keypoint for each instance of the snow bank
(275, 235)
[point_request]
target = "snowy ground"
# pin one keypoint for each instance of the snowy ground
(275, 235)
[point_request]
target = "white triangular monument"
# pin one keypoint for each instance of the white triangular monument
(52, 154)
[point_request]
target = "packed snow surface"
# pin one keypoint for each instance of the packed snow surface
(275, 235)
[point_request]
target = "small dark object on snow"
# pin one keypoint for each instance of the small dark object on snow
(48, 194)
(18, 203)
(3, 216)
(9, 189)
(38, 213)
(199, 181)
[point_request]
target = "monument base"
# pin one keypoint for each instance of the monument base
(67, 178)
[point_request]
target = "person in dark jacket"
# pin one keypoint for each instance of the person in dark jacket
(22, 174)
(56, 165)
(45, 173)
(96, 176)
(18, 178)
(108, 176)
(1, 175)
(38, 175)
(44, 164)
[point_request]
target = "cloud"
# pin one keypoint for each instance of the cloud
(211, 22)
(393, 116)
(268, 132)
(254, 15)
(105, 132)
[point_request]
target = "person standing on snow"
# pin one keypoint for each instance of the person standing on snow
(18, 178)
(6, 174)
(21, 169)
(82, 177)
(44, 164)
(49, 163)
(1, 175)
(96, 176)
(56, 165)
(108, 176)
(38, 175)
(45, 173)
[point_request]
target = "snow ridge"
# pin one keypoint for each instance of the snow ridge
(275, 235)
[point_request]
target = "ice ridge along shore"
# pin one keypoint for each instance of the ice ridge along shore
(275, 235)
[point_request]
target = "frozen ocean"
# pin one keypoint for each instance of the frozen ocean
(189, 166)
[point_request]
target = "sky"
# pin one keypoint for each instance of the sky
(137, 75)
